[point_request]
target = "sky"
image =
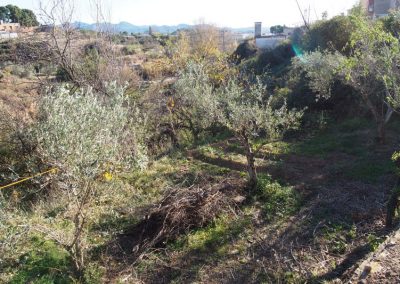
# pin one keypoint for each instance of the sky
(223, 13)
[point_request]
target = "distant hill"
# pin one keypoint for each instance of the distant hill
(164, 29)
(130, 28)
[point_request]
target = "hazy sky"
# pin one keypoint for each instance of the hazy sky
(232, 13)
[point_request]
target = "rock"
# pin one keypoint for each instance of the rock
(375, 267)
(239, 199)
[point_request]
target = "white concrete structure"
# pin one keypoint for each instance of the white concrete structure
(7, 35)
(269, 42)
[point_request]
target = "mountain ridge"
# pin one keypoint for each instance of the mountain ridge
(164, 29)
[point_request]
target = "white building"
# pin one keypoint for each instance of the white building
(268, 41)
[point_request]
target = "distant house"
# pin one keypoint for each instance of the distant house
(269, 41)
(379, 8)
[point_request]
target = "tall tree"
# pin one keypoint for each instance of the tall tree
(13, 14)
(277, 29)
(4, 14)
(28, 18)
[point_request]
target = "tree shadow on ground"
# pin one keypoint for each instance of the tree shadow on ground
(304, 247)
(331, 202)
(220, 162)
(308, 243)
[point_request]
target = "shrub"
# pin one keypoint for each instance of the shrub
(249, 113)
(131, 49)
(22, 71)
(333, 34)
(245, 50)
(276, 59)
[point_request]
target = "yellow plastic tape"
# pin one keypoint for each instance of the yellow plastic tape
(53, 171)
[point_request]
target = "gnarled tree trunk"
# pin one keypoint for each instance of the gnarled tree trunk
(251, 167)
(381, 132)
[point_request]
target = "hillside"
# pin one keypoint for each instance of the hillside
(187, 158)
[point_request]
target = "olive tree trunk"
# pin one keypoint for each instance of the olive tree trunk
(251, 167)
(381, 132)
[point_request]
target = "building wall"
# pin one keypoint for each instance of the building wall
(382, 7)
(269, 42)
(9, 27)
(379, 8)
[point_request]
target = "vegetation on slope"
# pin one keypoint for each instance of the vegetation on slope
(203, 167)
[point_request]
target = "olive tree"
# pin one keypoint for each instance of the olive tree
(87, 137)
(249, 113)
(194, 100)
(371, 69)
(244, 108)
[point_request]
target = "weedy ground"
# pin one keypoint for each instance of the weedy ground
(318, 210)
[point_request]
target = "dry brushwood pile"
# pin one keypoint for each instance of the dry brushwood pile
(178, 212)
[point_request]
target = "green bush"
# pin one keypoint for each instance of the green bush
(333, 34)
(244, 51)
(131, 49)
(276, 60)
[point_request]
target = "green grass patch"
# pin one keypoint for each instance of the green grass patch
(346, 137)
(328, 142)
(339, 236)
(278, 201)
(113, 222)
(209, 138)
(354, 124)
(369, 171)
(47, 264)
(211, 151)
(214, 238)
